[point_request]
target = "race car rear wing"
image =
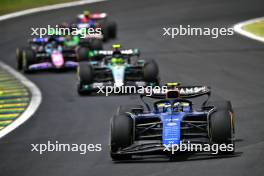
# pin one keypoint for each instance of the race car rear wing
(182, 92)
(97, 16)
(130, 52)
(46, 40)
(193, 91)
(38, 40)
(178, 92)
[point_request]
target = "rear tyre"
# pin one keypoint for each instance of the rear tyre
(82, 54)
(28, 58)
(112, 29)
(121, 136)
(105, 32)
(96, 44)
(19, 58)
(84, 43)
(151, 72)
(222, 124)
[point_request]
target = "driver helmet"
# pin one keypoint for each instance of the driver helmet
(86, 14)
(116, 49)
(54, 44)
(117, 56)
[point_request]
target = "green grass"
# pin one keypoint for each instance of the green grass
(8, 6)
(256, 28)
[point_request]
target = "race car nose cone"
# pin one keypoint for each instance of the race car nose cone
(57, 59)
(118, 74)
(119, 83)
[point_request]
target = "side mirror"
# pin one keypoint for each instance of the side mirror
(136, 52)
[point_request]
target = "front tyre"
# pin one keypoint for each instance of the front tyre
(29, 58)
(19, 58)
(151, 72)
(221, 125)
(85, 74)
(121, 136)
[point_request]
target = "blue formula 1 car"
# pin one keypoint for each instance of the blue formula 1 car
(171, 121)
(116, 68)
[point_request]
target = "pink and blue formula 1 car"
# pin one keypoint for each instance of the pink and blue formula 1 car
(46, 53)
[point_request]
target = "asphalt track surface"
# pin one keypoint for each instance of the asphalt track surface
(232, 66)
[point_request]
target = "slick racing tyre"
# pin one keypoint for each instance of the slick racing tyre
(19, 58)
(85, 73)
(124, 109)
(28, 58)
(112, 29)
(105, 32)
(84, 43)
(82, 54)
(221, 124)
(96, 44)
(151, 71)
(121, 136)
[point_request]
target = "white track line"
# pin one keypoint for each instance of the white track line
(238, 29)
(36, 96)
(46, 8)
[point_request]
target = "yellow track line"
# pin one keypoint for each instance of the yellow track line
(13, 105)
(5, 123)
(7, 85)
(3, 116)
(4, 93)
(12, 91)
(14, 100)
(12, 87)
(12, 110)
(15, 94)
(9, 91)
